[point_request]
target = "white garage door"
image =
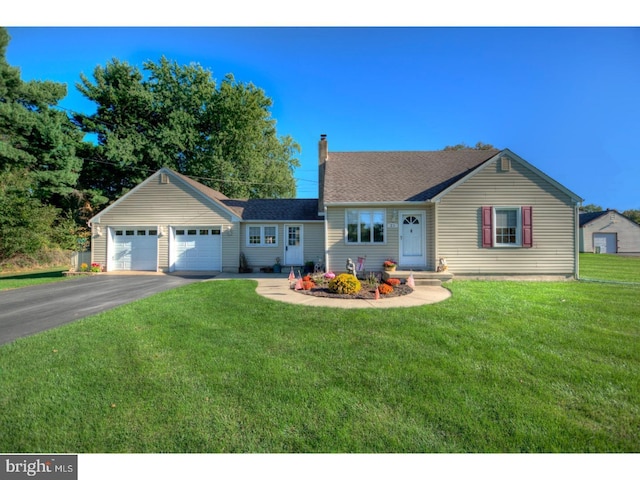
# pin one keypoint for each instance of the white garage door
(605, 242)
(134, 249)
(197, 248)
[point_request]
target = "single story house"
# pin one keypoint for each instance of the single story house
(487, 212)
(608, 232)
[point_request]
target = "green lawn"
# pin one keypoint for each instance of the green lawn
(213, 367)
(609, 267)
(17, 280)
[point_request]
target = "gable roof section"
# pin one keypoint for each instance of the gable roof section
(352, 177)
(506, 152)
(286, 209)
(207, 194)
(588, 217)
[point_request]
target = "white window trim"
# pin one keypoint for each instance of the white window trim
(367, 210)
(262, 236)
(494, 224)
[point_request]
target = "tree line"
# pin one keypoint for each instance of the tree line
(59, 168)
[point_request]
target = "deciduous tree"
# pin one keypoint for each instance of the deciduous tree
(175, 116)
(464, 146)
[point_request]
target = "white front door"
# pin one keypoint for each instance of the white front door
(293, 245)
(412, 240)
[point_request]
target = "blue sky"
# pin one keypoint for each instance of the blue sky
(565, 99)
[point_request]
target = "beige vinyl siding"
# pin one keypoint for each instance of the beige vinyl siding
(265, 256)
(98, 244)
(627, 233)
(459, 237)
(431, 219)
(163, 205)
(314, 242)
(339, 251)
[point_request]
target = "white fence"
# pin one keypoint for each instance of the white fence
(78, 258)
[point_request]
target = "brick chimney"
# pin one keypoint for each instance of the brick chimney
(323, 154)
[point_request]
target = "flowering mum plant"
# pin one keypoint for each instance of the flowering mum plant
(84, 267)
(95, 267)
(389, 263)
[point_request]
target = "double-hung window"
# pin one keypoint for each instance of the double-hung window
(507, 227)
(262, 236)
(365, 226)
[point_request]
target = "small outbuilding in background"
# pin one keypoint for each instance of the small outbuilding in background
(608, 232)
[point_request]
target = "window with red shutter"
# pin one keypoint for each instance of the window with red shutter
(527, 227)
(507, 227)
(487, 228)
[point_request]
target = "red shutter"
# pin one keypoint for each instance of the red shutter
(487, 231)
(527, 227)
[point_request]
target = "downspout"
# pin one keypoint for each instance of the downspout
(326, 240)
(576, 241)
(435, 235)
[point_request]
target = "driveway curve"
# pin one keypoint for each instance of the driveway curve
(29, 310)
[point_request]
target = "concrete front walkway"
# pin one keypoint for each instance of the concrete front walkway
(276, 287)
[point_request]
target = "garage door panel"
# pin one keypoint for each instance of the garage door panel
(605, 242)
(197, 248)
(135, 249)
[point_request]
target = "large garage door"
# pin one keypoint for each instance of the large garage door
(197, 248)
(605, 243)
(134, 249)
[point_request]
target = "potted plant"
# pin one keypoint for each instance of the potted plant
(277, 268)
(389, 265)
(244, 266)
(308, 267)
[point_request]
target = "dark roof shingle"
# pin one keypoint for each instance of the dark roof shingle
(587, 217)
(280, 209)
(275, 209)
(396, 176)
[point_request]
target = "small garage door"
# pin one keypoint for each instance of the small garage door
(605, 243)
(134, 249)
(197, 248)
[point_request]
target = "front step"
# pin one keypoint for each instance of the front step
(422, 278)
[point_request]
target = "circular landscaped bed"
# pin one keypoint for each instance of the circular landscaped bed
(367, 292)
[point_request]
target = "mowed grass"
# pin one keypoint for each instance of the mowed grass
(18, 280)
(609, 267)
(213, 367)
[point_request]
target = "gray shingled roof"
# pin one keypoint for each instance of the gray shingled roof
(396, 176)
(586, 217)
(276, 209)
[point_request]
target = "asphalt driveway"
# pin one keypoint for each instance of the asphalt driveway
(29, 310)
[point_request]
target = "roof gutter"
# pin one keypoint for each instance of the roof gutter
(394, 203)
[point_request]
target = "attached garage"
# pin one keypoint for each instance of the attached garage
(191, 227)
(133, 248)
(196, 248)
